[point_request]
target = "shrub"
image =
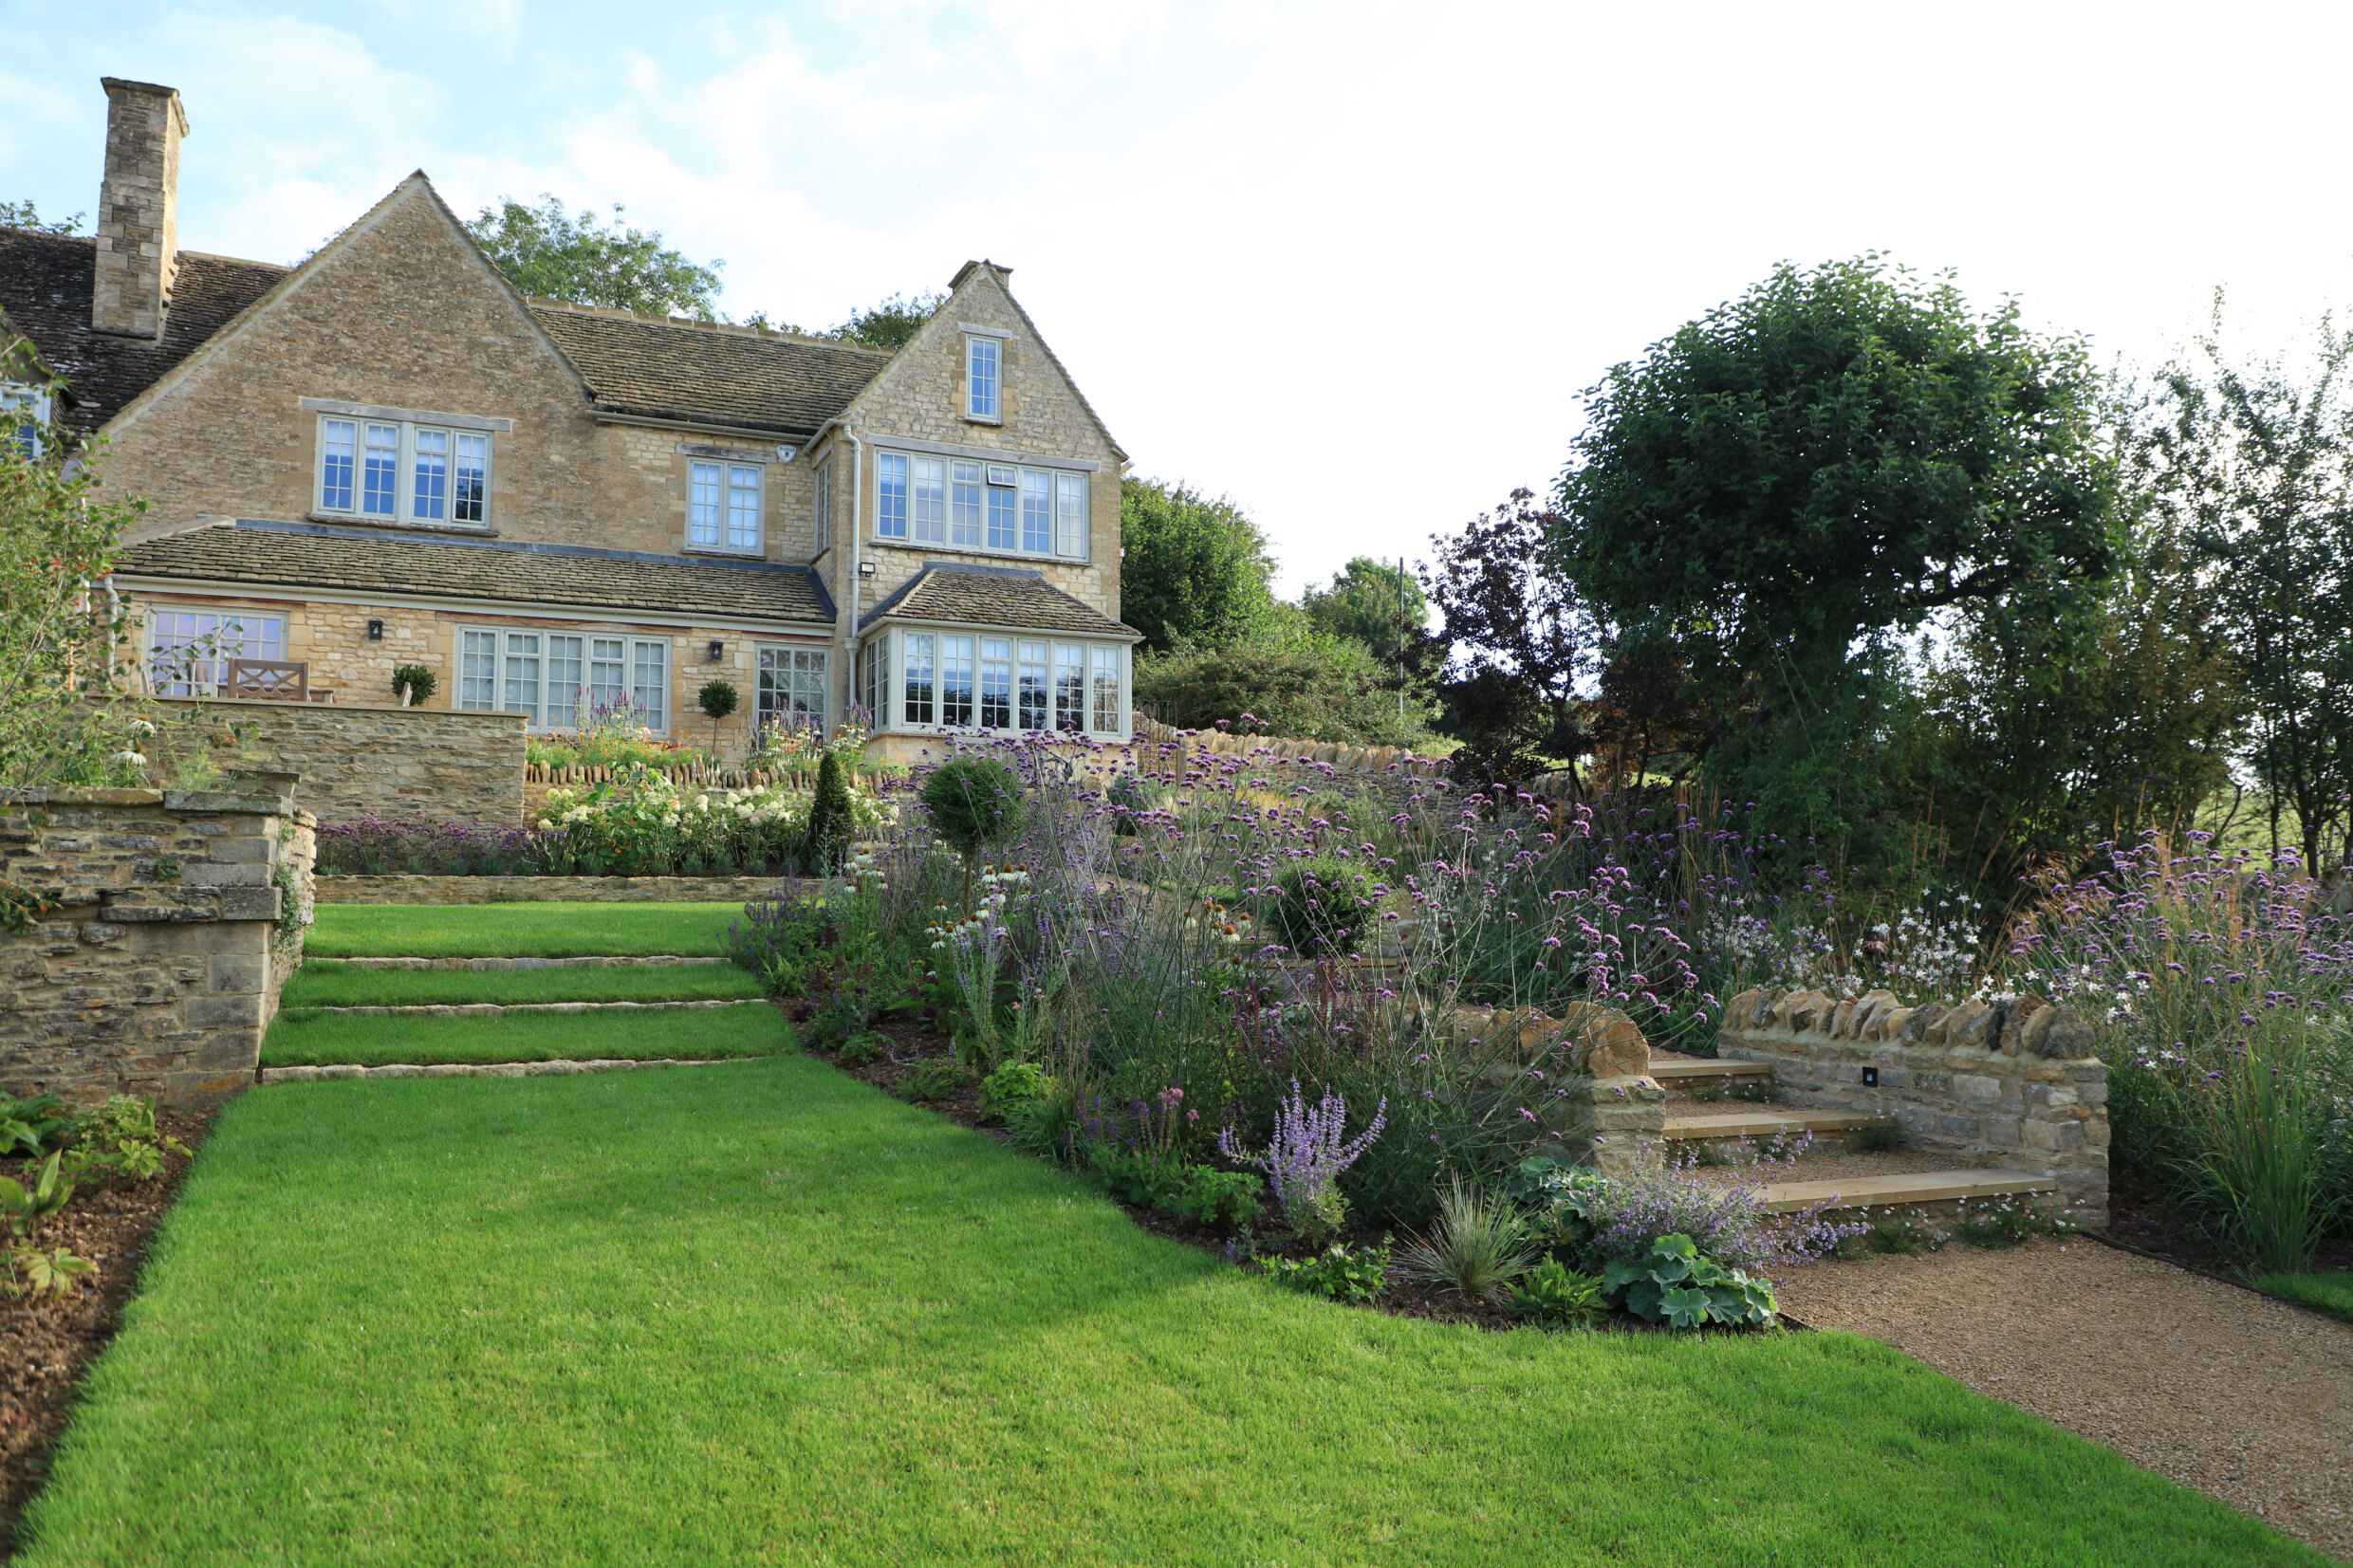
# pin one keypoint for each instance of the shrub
(827, 844)
(414, 682)
(1336, 1274)
(974, 801)
(1013, 1086)
(1220, 1200)
(1552, 1296)
(1321, 908)
(1477, 1248)
(1306, 1156)
(1676, 1284)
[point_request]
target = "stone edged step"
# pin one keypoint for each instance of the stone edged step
(1702, 1072)
(1916, 1186)
(661, 961)
(481, 1069)
(1763, 1124)
(494, 1010)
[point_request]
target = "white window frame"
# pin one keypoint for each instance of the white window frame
(789, 679)
(34, 402)
(554, 675)
(903, 661)
(983, 385)
(237, 633)
(731, 482)
(412, 441)
(821, 510)
(1029, 512)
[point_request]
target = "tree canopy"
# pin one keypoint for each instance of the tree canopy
(547, 251)
(21, 214)
(1195, 570)
(1369, 601)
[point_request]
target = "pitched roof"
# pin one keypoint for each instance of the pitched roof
(669, 369)
(993, 596)
(45, 290)
(311, 555)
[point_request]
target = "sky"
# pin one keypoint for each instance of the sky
(1350, 265)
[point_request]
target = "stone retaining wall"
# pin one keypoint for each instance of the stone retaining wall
(544, 890)
(155, 961)
(2011, 1082)
(357, 759)
(1582, 1077)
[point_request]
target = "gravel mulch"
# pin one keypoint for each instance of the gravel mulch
(2242, 1397)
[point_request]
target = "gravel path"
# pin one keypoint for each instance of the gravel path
(2247, 1399)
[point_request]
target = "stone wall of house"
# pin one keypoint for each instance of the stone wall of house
(2013, 1082)
(357, 758)
(159, 927)
(398, 889)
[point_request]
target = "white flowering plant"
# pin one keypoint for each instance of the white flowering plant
(641, 822)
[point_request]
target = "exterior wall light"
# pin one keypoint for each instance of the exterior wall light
(711, 653)
(375, 631)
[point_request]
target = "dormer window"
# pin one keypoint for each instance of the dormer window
(403, 471)
(984, 376)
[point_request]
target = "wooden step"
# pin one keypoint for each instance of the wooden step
(1706, 1071)
(1762, 1124)
(1918, 1187)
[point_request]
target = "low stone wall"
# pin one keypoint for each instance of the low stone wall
(156, 962)
(2012, 1082)
(1582, 1077)
(544, 890)
(360, 758)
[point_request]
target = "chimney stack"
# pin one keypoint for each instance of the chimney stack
(138, 208)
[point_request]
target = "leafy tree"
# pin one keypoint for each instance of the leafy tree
(1369, 602)
(2256, 467)
(1776, 494)
(1513, 643)
(891, 324)
(20, 215)
(555, 255)
(1299, 688)
(1193, 570)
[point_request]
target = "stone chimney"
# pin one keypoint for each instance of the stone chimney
(138, 208)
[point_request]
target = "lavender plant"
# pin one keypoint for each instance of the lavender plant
(1303, 1160)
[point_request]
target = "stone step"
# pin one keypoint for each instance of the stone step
(656, 962)
(1703, 1071)
(477, 1069)
(494, 1010)
(1761, 1123)
(1916, 1186)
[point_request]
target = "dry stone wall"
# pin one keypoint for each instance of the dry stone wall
(166, 923)
(356, 758)
(2011, 1082)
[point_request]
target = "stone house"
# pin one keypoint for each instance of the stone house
(386, 455)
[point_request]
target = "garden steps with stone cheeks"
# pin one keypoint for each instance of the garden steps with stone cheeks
(1760, 1123)
(1912, 1188)
(495, 1010)
(1677, 1071)
(658, 961)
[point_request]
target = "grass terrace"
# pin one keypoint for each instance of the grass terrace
(528, 1320)
(691, 1034)
(328, 983)
(520, 931)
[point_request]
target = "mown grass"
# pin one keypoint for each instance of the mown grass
(2331, 1293)
(319, 1040)
(761, 1312)
(520, 931)
(328, 983)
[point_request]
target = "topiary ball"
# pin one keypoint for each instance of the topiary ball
(1320, 908)
(974, 801)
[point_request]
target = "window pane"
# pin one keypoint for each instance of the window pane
(1037, 511)
(339, 455)
(608, 680)
(931, 500)
(1107, 689)
(186, 647)
(702, 509)
(477, 672)
(1036, 684)
(879, 700)
(1003, 507)
(918, 693)
(825, 502)
(743, 509)
(964, 504)
(472, 492)
(431, 494)
(955, 680)
(383, 470)
(890, 501)
(1070, 491)
(982, 380)
(1070, 686)
(649, 685)
(996, 683)
(522, 674)
(563, 683)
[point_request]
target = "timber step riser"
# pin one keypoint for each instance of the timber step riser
(1925, 1187)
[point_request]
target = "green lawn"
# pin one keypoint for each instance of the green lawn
(328, 983)
(318, 1040)
(2329, 1293)
(761, 1312)
(519, 930)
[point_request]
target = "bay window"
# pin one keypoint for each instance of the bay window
(1009, 681)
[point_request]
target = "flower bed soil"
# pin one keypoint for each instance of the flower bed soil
(2139, 1216)
(46, 1344)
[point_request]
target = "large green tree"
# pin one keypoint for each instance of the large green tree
(1193, 570)
(551, 253)
(1771, 498)
(1377, 604)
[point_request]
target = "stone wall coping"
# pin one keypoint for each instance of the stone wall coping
(339, 705)
(80, 797)
(225, 801)
(1902, 1050)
